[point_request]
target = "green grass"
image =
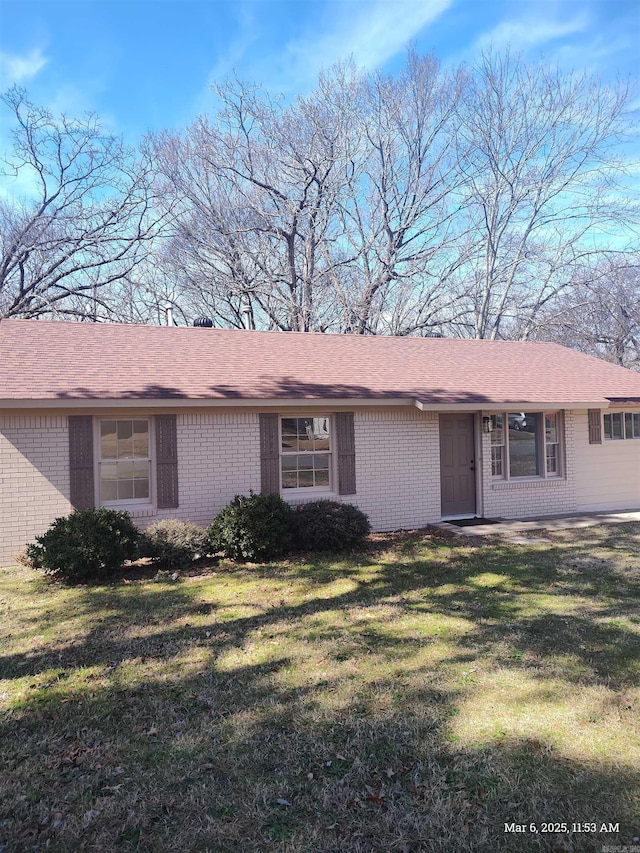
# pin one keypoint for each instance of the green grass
(414, 697)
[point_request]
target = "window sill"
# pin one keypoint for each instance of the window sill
(527, 483)
(301, 497)
(135, 510)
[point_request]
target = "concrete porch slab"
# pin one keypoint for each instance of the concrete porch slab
(510, 529)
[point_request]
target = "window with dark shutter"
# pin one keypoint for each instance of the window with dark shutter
(595, 426)
(346, 453)
(269, 454)
(82, 486)
(166, 461)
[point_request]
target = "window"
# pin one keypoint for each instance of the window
(525, 444)
(125, 463)
(619, 425)
(551, 443)
(497, 445)
(306, 453)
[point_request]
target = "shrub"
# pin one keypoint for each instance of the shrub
(88, 544)
(329, 526)
(173, 543)
(252, 528)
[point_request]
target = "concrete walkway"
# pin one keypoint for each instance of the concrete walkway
(510, 529)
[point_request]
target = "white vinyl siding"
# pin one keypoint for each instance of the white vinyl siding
(607, 474)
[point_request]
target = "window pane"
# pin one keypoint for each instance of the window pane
(616, 424)
(321, 461)
(523, 445)
(141, 488)
(125, 439)
(108, 490)
(321, 433)
(628, 425)
(322, 477)
(289, 479)
(551, 428)
(125, 470)
(108, 440)
(496, 462)
(552, 459)
(305, 433)
(140, 470)
(289, 463)
(636, 424)
(497, 431)
(109, 471)
(289, 434)
(305, 479)
(305, 463)
(141, 439)
(607, 426)
(125, 490)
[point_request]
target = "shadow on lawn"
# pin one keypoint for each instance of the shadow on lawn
(239, 761)
(504, 628)
(256, 757)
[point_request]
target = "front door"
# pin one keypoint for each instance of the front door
(457, 464)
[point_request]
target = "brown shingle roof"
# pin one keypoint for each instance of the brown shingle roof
(44, 360)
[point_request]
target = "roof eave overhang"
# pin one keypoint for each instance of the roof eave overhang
(511, 405)
(296, 403)
(217, 403)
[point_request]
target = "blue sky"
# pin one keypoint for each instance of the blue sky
(148, 64)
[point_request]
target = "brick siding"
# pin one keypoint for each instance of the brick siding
(397, 472)
(34, 479)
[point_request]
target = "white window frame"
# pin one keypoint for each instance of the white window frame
(541, 448)
(131, 503)
(308, 490)
(623, 425)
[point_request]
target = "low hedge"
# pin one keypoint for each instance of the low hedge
(329, 526)
(256, 528)
(88, 544)
(173, 543)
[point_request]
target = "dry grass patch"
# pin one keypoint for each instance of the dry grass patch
(413, 697)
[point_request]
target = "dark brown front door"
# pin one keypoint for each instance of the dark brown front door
(457, 465)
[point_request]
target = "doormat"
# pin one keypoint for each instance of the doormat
(473, 522)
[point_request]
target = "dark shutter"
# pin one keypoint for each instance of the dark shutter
(346, 452)
(269, 455)
(82, 491)
(595, 426)
(166, 461)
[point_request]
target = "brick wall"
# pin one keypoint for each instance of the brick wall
(218, 458)
(530, 498)
(34, 478)
(397, 472)
(398, 467)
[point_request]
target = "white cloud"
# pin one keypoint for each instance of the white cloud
(531, 32)
(375, 33)
(19, 69)
(370, 32)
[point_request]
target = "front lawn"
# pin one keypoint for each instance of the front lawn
(414, 698)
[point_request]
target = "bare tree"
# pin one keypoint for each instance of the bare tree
(86, 221)
(459, 203)
(258, 188)
(600, 313)
(537, 148)
(398, 209)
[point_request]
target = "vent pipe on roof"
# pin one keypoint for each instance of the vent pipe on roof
(168, 311)
(203, 322)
